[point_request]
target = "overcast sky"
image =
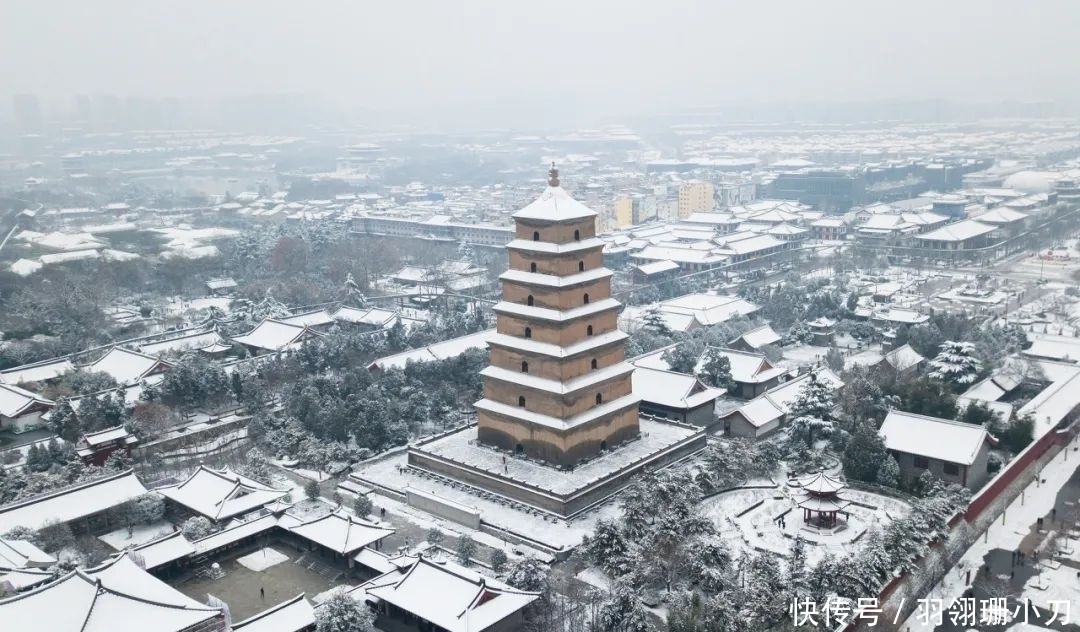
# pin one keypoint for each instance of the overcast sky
(618, 55)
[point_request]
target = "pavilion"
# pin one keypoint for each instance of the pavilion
(822, 497)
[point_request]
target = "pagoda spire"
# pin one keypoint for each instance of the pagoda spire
(553, 176)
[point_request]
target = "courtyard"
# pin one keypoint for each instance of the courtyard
(279, 579)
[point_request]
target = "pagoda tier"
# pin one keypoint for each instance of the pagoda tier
(558, 388)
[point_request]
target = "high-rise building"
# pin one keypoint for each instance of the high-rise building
(695, 197)
(558, 388)
(27, 113)
(623, 211)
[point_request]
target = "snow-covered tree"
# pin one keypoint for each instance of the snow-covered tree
(256, 466)
(498, 560)
(796, 579)
(716, 370)
(197, 527)
(528, 573)
(811, 412)
(608, 548)
(683, 358)
(435, 536)
(654, 321)
(956, 363)
(362, 505)
(888, 474)
(311, 490)
(146, 509)
(342, 613)
(763, 603)
(622, 611)
(864, 454)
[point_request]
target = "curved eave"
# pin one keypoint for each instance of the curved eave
(555, 315)
(554, 281)
(549, 248)
(597, 412)
(556, 387)
(529, 345)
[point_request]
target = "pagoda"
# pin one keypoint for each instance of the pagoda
(822, 500)
(558, 389)
(557, 429)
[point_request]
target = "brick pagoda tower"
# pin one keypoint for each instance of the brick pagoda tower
(558, 388)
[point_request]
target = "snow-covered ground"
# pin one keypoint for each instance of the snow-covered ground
(1007, 534)
(120, 539)
(803, 355)
(757, 529)
(262, 559)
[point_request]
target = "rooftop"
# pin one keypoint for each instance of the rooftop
(933, 438)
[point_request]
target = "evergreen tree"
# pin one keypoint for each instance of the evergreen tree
(834, 359)
(498, 560)
(654, 321)
(683, 358)
(956, 363)
(716, 370)
(888, 474)
(797, 573)
(622, 611)
(466, 549)
(864, 454)
(197, 527)
(362, 505)
(528, 573)
(342, 613)
(65, 422)
(311, 490)
(435, 536)
(811, 412)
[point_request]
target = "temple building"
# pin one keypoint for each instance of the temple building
(558, 426)
(558, 388)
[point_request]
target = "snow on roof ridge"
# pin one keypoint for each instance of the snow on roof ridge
(269, 611)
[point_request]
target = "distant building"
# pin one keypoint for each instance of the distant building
(21, 410)
(695, 197)
(94, 448)
(678, 396)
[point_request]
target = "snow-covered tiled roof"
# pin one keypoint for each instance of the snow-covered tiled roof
(759, 337)
(37, 372)
(671, 389)
(23, 554)
(117, 596)
(127, 366)
(903, 358)
(65, 505)
(933, 438)
(274, 335)
(760, 411)
(657, 267)
(438, 351)
(316, 318)
(165, 549)
(288, 616)
(220, 494)
(958, 231)
(375, 317)
(449, 596)
(340, 532)
(747, 367)
(180, 344)
(14, 401)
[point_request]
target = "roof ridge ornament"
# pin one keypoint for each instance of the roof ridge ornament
(553, 175)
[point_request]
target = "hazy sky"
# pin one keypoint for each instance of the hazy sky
(619, 54)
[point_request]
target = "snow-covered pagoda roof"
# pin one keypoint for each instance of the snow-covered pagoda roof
(340, 532)
(447, 595)
(288, 616)
(117, 596)
(823, 503)
(822, 483)
(554, 204)
(220, 494)
(69, 504)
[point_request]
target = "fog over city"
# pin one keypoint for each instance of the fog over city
(562, 316)
(555, 59)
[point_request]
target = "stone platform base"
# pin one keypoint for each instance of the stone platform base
(458, 456)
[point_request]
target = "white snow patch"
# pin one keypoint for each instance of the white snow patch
(262, 559)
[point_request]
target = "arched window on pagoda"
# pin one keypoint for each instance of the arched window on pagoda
(532, 267)
(588, 330)
(586, 298)
(528, 332)
(594, 363)
(536, 235)
(524, 367)
(580, 266)
(521, 401)
(599, 399)
(529, 301)
(577, 235)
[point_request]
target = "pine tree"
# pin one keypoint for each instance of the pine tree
(797, 580)
(311, 490)
(956, 363)
(811, 412)
(683, 358)
(498, 560)
(362, 505)
(654, 321)
(888, 474)
(435, 537)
